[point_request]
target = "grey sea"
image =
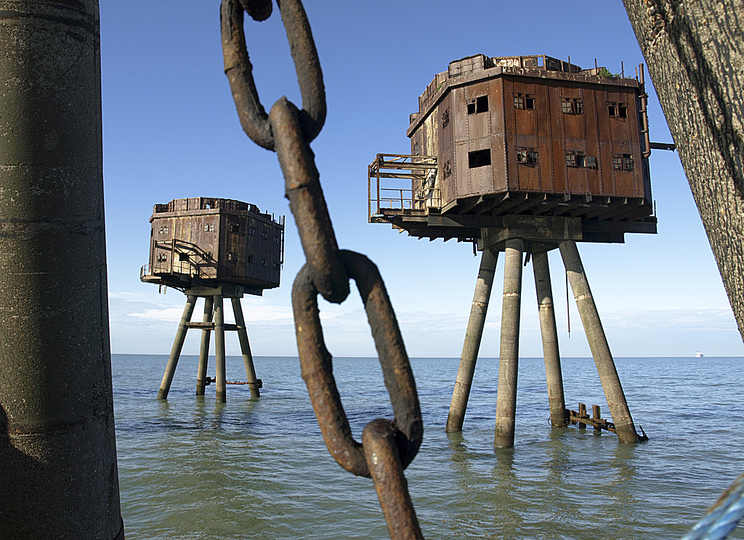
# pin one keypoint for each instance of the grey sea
(191, 468)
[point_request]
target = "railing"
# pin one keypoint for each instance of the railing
(196, 263)
(398, 183)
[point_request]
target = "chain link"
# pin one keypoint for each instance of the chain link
(388, 447)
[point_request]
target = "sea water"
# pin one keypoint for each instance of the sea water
(191, 468)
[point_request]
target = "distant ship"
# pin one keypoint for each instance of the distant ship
(699, 354)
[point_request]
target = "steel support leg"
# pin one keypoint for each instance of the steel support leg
(506, 398)
(549, 333)
(201, 374)
(245, 348)
(219, 346)
(472, 343)
(175, 353)
(598, 344)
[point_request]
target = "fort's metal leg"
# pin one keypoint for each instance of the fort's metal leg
(506, 398)
(549, 333)
(175, 353)
(201, 374)
(598, 344)
(245, 348)
(472, 343)
(219, 346)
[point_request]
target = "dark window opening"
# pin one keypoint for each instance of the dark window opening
(250, 259)
(183, 257)
(527, 156)
(232, 227)
(529, 101)
(572, 105)
(479, 158)
(617, 110)
(478, 105)
(628, 164)
(445, 118)
(446, 169)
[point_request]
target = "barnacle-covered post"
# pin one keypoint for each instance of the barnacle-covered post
(58, 466)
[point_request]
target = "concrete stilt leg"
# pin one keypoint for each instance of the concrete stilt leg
(175, 353)
(201, 374)
(549, 333)
(219, 346)
(472, 343)
(506, 398)
(245, 348)
(598, 344)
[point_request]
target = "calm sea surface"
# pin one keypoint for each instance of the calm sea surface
(193, 468)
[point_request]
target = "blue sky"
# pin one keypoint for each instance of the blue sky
(170, 130)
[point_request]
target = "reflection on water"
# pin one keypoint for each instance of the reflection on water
(192, 468)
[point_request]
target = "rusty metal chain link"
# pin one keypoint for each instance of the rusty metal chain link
(387, 447)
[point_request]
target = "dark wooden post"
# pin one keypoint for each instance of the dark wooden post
(57, 442)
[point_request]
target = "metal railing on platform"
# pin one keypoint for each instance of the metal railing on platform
(397, 183)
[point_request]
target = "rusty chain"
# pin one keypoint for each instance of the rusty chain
(387, 446)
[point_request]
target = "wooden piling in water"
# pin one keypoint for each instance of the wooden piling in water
(473, 335)
(598, 343)
(549, 332)
(506, 398)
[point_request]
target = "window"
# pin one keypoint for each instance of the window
(263, 262)
(264, 235)
(233, 227)
(478, 105)
(572, 105)
(252, 231)
(163, 229)
(277, 240)
(479, 158)
(527, 156)
(529, 101)
(577, 159)
(518, 101)
(445, 118)
(623, 162)
(524, 101)
(275, 266)
(416, 148)
(183, 257)
(162, 257)
(232, 256)
(250, 259)
(209, 226)
(617, 110)
(446, 169)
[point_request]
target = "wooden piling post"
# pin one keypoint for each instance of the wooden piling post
(549, 332)
(245, 349)
(506, 398)
(219, 349)
(598, 344)
(201, 374)
(175, 353)
(473, 336)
